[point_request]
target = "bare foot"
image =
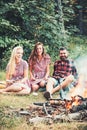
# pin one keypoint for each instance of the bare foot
(1, 91)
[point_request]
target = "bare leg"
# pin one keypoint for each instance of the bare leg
(42, 83)
(50, 85)
(12, 88)
(2, 90)
(17, 88)
(65, 83)
(24, 91)
(35, 87)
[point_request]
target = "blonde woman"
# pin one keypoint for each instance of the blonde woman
(17, 73)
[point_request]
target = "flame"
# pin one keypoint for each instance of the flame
(68, 104)
(81, 88)
(76, 100)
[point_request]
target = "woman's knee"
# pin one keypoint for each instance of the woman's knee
(42, 83)
(35, 87)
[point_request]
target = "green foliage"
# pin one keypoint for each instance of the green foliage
(78, 46)
(9, 44)
(24, 22)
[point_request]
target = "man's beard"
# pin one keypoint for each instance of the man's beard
(63, 58)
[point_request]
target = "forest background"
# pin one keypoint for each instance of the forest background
(55, 23)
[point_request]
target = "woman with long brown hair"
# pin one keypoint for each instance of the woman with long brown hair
(39, 63)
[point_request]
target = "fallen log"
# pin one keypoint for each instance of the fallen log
(36, 120)
(63, 117)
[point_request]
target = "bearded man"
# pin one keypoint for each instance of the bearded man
(64, 75)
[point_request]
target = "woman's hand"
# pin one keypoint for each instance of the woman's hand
(32, 78)
(46, 77)
(9, 82)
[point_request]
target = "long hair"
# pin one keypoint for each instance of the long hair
(33, 57)
(12, 62)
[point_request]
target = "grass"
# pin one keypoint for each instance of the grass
(22, 102)
(11, 122)
(2, 75)
(16, 123)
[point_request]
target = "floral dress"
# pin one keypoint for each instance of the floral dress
(19, 72)
(39, 69)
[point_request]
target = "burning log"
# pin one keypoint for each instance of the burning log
(76, 104)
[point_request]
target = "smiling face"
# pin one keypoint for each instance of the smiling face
(39, 50)
(63, 54)
(19, 54)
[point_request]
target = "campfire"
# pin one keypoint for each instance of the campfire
(52, 111)
(56, 110)
(76, 104)
(72, 108)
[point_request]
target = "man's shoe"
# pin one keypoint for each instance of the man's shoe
(47, 95)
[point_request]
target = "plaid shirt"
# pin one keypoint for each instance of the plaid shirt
(63, 69)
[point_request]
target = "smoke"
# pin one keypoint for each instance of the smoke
(81, 88)
(81, 64)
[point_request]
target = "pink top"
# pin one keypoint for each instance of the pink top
(39, 69)
(19, 71)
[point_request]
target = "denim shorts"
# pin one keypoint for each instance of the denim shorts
(56, 82)
(63, 92)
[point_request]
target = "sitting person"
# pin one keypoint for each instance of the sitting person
(17, 74)
(64, 74)
(39, 67)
